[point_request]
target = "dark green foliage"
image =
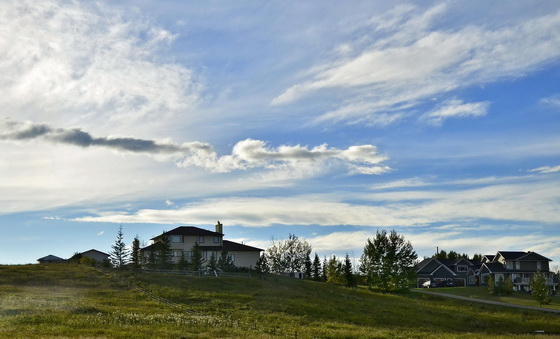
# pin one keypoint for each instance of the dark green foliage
(388, 262)
(316, 268)
(197, 259)
(348, 272)
(136, 252)
(539, 290)
(225, 263)
(500, 287)
(335, 271)
(119, 254)
(164, 253)
(262, 265)
(212, 264)
(307, 265)
(183, 262)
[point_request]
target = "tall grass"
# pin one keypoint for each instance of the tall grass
(79, 301)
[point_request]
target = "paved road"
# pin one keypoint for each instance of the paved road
(489, 301)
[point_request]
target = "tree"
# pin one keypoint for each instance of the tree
(164, 253)
(316, 268)
(212, 262)
(262, 265)
(388, 262)
(539, 290)
(225, 263)
(136, 252)
(119, 256)
(307, 264)
(197, 259)
(183, 262)
(335, 272)
(348, 272)
(288, 256)
(324, 272)
(490, 283)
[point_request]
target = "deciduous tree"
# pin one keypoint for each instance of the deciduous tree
(539, 290)
(388, 262)
(288, 256)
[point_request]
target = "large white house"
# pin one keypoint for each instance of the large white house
(183, 239)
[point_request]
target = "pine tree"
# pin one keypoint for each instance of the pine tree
(136, 260)
(119, 256)
(316, 268)
(197, 259)
(225, 263)
(324, 276)
(348, 272)
(183, 263)
(262, 265)
(335, 272)
(164, 253)
(212, 262)
(307, 266)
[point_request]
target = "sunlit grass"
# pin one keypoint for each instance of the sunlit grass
(78, 301)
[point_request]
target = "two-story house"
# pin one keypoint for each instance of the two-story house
(183, 239)
(519, 266)
(449, 272)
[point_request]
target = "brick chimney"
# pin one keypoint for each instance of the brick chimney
(219, 228)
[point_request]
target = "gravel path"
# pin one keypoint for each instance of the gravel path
(542, 309)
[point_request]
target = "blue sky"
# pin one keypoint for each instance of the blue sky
(327, 120)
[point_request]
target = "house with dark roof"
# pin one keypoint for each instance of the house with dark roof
(51, 259)
(449, 272)
(182, 240)
(96, 255)
(518, 266)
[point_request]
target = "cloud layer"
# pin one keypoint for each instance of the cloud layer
(246, 154)
(415, 62)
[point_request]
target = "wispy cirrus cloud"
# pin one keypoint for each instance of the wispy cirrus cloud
(413, 62)
(455, 109)
(246, 154)
(546, 169)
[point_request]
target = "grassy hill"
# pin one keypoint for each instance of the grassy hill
(78, 301)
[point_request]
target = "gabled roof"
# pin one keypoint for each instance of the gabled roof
(445, 268)
(92, 250)
(189, 230)
(427, 266)
(494, 267)
(234, 246)
(454, 262)
(50, 257)
(510, 255)
(533, 256)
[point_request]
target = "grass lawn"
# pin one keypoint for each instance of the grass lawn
(72, 301)
(481, 292)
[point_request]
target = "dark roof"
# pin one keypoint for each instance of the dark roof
(189, 230)
(50, 257)
(453, 262)
(533, 256)
(511, 255)
(92, 250)
(234, 246)
(495, 267)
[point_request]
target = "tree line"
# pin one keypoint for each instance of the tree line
(387, 262)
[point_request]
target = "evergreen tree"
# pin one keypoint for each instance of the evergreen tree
(212, 262)
(119, 255)
(197, 259)
(136, 260)
(308, 264)
(183, 262)
(324, 276)
(388, 262)
(335, 272)
(477, 257)
(539, 290)
(348, 272)
(316, 268)
(262, 265)
(164, 253)
(225, 263)
(490, 283)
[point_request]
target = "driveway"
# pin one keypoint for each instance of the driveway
(542, 309)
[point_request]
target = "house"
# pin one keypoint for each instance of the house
(448, 272)
(182, 240)
(519, 266)
(51, 259)
(96, 255)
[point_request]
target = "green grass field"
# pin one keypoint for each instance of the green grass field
(54, 301)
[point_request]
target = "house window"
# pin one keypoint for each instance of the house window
(509, 265)
(201, 239)
(462, 268)
(538, 265)
(176, 238)
(471, 280)
(517, 265)
(216, 240)
(174, 254)
(231, 257)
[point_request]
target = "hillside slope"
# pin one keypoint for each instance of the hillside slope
(79, 301)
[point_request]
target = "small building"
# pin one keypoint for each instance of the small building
(51, 259)
(96, 255)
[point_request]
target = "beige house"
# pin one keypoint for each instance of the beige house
(96, 255)
(183, 239)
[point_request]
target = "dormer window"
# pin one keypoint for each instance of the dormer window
(462, 268)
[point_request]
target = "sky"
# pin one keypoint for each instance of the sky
(325, 119)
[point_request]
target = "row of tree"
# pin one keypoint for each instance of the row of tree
(387, 262)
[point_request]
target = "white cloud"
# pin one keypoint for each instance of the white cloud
(546, 169)
(413, 62)
(553, 101)
(89, 64)
(456, 109)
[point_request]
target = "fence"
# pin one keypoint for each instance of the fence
(207, 273)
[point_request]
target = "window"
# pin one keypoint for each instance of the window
(509, 265)
(538, 265)
(462, 268)
(231, 257)
(471, 280)
(216, 240)
(176, 238)
(174, 253)
(517, 265)
(201, 239)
